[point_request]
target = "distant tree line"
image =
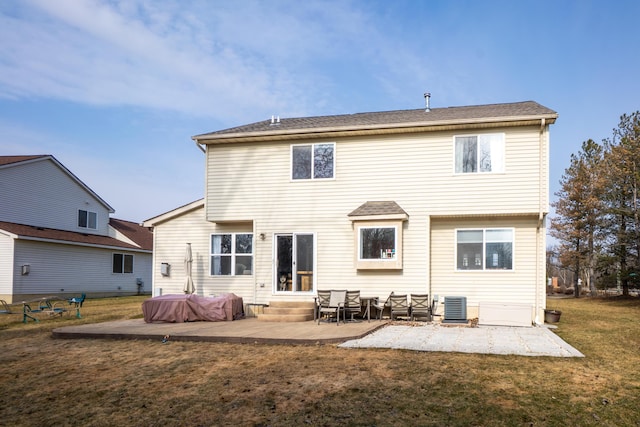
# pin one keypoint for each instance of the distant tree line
(597, 212)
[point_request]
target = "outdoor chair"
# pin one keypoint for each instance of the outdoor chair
(78, 301)
(321, 300)
(399, 306)
(334, 307)
(434, 307)
(380, 307)
(420, 306)
(352, 304)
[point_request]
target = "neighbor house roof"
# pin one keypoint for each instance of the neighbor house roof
(7, 160)
(43, 234)
(11, 161)
(399, 121)
(137, 233)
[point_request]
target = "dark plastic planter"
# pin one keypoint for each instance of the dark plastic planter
(552, 316)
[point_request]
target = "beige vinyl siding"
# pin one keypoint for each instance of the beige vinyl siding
(252, 181)
(510, 286)
(170, 240)
(245, 180)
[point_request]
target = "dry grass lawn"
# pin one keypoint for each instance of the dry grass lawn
(92, 382)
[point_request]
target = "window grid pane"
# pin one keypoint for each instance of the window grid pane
(82, 219)
(301, 162)
(323, 161)
(117, 263)
(244, 243)
(221, 244)
(128, 264)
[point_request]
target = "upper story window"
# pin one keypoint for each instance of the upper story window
(313, 161)
(484, 249)
(122, 263)
(87, 219)
(231, 254)
(479, 153)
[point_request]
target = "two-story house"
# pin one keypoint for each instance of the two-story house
(444, 201)
(56, 236)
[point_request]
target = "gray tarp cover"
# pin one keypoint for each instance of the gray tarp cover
(191, 307)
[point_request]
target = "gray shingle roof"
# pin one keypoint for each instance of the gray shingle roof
(7, 160)
(378, 208)
(390, 119)
(142, 236)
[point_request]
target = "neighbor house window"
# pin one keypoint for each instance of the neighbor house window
(484, 249)
(122, 263)
(231, 254)
(87, 219)
(479, 153)
(378, 243)
(313, 161)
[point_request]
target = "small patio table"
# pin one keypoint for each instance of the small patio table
(367, 310)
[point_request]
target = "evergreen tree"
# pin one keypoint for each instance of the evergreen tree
(622, 222)
(579, 208)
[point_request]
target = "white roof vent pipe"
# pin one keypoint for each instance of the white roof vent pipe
(427, 99)
(275, 120)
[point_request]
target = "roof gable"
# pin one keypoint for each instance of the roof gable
(14, 161)
(156, 220)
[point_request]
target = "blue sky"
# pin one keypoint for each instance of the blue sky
(115, 89)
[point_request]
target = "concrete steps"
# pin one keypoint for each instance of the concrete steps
(287, 311)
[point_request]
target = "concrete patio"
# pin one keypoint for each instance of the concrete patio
(249, 330)
(534, 341)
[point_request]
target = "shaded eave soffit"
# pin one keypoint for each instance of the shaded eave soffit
(365, 130)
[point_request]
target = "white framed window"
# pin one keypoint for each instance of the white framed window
(313, 161)
(87, 219)
(122, 263)
(377, 243)
(482, 153)
(231, 254)
(484, 249)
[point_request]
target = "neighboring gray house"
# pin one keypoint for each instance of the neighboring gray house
(56, 236)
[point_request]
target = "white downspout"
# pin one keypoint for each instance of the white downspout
(200, 146)
(541, 218)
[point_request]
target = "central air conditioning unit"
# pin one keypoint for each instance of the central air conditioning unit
(455, 310)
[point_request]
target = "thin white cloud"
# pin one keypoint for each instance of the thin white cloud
(225, 60)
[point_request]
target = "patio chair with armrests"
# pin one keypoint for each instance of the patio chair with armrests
(334, 307)
(352, 304)
(321, 300)
(399, 305)
(420, 306)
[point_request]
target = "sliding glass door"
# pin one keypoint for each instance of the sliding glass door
(295, 260)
